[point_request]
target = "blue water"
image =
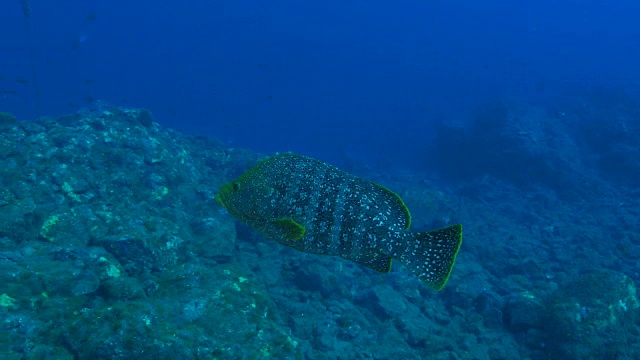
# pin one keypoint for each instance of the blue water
(519, 120)
(326, 78)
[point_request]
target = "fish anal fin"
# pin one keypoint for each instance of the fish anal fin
(373, 260)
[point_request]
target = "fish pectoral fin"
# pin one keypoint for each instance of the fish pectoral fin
(289, 228)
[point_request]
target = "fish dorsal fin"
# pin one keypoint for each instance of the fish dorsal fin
(397, 203)
(289, 228)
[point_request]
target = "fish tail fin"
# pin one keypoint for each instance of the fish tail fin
(430, 255)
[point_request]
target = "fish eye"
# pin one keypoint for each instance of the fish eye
(236, 187)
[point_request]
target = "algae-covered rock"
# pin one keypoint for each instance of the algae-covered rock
(214, 238)
(523, 311)
(591, 317)
(105, 218)
(7, 118)
(608, 125)
(511, 142)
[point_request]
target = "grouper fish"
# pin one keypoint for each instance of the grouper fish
(317, 208)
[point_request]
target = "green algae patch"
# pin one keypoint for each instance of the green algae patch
(7, 301)
(600, 302)
(47, 227)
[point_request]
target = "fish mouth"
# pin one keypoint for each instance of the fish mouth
(221, 198)
(223, 201)
(218, 198)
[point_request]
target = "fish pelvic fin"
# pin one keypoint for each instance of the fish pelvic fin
(430, 255)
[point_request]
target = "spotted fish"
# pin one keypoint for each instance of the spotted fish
(317, 208)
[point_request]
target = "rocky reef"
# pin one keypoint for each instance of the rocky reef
(112, 247)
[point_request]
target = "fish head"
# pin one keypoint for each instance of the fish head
(248, 198)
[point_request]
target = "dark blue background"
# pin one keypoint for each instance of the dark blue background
(361, 79)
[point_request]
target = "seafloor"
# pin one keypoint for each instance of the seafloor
(112, 246)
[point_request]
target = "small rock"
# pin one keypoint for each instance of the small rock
(523, 311)
(581, 311)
